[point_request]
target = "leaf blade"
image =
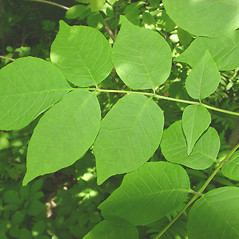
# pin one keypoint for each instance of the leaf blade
(195, 120)
(77, 118)
(204, 18)
(148, 194)
(224, 50)
(145, 62)
(231, 169)
(28, 86)
(204, 153)
(215, 214)
(82, 53)
(129, 135)
(106, 229)
(204, 79)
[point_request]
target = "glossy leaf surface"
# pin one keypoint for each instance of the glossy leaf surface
(142, 58)
(63, 134)
(148, 194)
(106, 229)
(204, 153)
(224, 50)
(204, 17)
(129, 135)
(215, 215)
(195, 121)
(82, 53)
(28, 86)
(231, 168)
(204, 79)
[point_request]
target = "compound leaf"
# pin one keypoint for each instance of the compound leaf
(204, 17)
(130, 134)
(106, 229)
(142, 58)
(82, 53)
(231, 168)
(203, 155)
(215, 215)
(28, 86)
(63, 134)
(148, 194)
(204, 79)
(195, 121)
(224, 50)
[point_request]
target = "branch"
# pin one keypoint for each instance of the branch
(164, 98)
(107, 28)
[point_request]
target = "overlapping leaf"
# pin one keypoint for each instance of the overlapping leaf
(204, 153)
(106, 229)
(28, 86)
(142, 58)
(148, 194)
(204, 79)
(215, 215)
(129, 135)
(204, 17)
(231, 168)
(195, 121)
(82, 53)
(63, 134)
(224, 50)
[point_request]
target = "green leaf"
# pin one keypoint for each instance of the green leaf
(106, 229)
(142, 58)
(204, 79)
(215, 215)
(224, 50)
(185, 37)
(78, 11)
(148, 194)
(231, 168)
(130, 134)
(96, 5)
(195, 121)
(204, 153)
(63, 134)
(204, 17)
(28, 86)
(82, 53)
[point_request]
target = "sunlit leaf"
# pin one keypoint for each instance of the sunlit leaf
(148, 194)
(82, 53)
(106, 229)
(142, 57)
(224, 50)
(204, 17)
(203, 155)
(28, 86)
(231, 168)
(63, 134)
(204, 79)
(195, 121)
(215, 215)
(130, 134)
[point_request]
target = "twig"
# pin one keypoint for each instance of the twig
(7, 58)
(107, 28)
(50, 3)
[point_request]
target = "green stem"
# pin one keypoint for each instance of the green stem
(199, 193)
(164, 98)
(50, 3)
